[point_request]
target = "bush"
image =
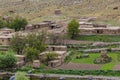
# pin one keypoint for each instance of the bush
(18, 23)
(102, 60)
(31, 53)
(21, 76)
(7, 60)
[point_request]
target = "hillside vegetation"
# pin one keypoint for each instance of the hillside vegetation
(107, 11)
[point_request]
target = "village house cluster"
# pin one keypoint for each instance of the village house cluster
(86, 28)
(60, 51)
(6, 35)
(44, 24)
(89, 28)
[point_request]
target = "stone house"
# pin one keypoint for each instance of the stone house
(36, 26)
(42, 25)
(61, 52)
(20, 60)
(61, 55)
(56, 48)
(93, 29)
(6, 31)
(85, 24)
(5, 39)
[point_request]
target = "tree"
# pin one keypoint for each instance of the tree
(17, 43)
(31, 53)
(7, 60)
(18, 23)
(73, 29)
(21, 76)
(32, 40)
(36, 40)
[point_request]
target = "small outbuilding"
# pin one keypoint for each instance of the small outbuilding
(5, 39)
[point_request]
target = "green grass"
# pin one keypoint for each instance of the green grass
(107, 66)
(104, 38)
(110, 65)
(86, 60)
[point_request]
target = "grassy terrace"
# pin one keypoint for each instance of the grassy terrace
(104, 38)
(107, 66)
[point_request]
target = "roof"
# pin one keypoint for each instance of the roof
(57, 52)
(20, 56)
(6, 28)
(57, 46)
(93, 28)
(55, 61)
(85, 23)
(5, 36)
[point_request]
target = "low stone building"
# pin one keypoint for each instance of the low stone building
(86, 19)
(20, 60)
(93, 29)
(5, 39)
(61, 55)
(56, 48)
(61, 52)
(6, 31)
(44, 24)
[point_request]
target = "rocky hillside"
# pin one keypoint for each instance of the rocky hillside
(107, 11)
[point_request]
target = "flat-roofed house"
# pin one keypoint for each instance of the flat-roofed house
(44, 24)
(20, 60)
(6, 31)
(61, 52)
(5, 39)
(99, 29)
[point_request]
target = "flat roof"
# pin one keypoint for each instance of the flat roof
(54, 61)
(92, 28)
(6, 29)
(57, 52)
(5, 36)
(20, 56)
(57, 46)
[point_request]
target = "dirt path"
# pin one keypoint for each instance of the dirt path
(77, 66)
(116, 67)
(77, 42)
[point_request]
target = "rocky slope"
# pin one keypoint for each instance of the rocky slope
(37, 10)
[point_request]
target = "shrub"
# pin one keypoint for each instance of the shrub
(7, 60)
(21, 76)
(31, 53)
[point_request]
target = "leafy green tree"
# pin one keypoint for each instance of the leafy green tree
(7, 60)
(36, 40)
(17, 43)
(31, 53)
(21, 76)
(33, 40)
(18, 23)
(73, 29)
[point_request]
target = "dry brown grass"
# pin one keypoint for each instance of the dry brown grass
(38, 10)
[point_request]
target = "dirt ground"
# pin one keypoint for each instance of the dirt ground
(77, 66)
